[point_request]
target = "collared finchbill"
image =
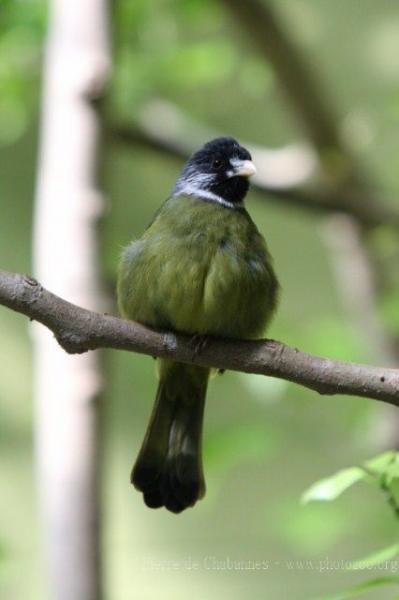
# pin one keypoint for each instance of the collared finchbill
(243, 168)
(203, 238)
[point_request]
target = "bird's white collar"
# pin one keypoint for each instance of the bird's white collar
(191, 190)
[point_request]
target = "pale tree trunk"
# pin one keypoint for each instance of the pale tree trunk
(68, 204)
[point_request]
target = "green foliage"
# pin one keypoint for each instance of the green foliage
(192, 55)
(177, 61)
(332, 487)
(383, 471)
(21, 37)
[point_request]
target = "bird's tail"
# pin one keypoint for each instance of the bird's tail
(168, 470)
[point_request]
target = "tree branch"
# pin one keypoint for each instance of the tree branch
(358, 282)
(349, 180)
(78, 330)
(302, 88)
(165, 127)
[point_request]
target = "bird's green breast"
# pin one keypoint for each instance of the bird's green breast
(199, 268)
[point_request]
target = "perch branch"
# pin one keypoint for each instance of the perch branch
(78, 330)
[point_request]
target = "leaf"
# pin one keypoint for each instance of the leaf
(379, 464)
(375, 558)
(332, 487)
(362, 588)
(391, 473)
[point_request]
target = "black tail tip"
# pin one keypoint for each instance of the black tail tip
(177, 486)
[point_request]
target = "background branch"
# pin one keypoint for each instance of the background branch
(358, 285)
(348, 238)
(78, 330)
(258, 20)
(291, 174)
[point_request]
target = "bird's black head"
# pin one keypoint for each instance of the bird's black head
(219, 172)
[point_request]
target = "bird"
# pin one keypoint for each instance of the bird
(203, 269)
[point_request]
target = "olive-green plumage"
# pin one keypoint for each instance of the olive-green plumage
(200, 268)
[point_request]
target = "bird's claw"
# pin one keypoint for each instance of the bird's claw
(199, 342)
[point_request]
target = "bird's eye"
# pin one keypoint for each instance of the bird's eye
(217, 163)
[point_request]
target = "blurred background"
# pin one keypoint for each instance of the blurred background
(183, 71)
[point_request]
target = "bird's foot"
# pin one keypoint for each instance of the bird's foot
(199, 343)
